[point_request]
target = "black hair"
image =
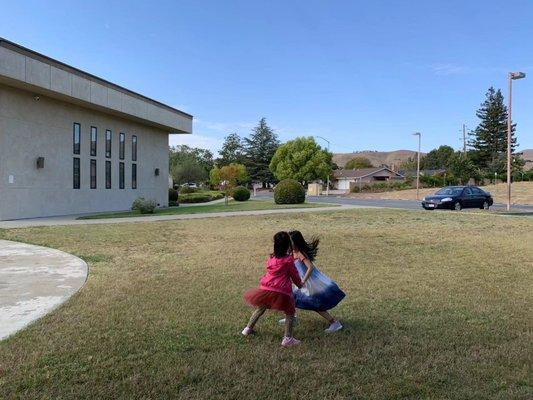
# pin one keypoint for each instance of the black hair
(308, 249)
(282, 244)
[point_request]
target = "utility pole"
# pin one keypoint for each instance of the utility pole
(464, 140)
(418, 164)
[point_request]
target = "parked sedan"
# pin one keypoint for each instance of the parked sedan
(457, 198)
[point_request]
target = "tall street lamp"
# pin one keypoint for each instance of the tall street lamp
(418, 164)
(512, 76)
(327, 141)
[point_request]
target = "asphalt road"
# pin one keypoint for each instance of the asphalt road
(403, 204)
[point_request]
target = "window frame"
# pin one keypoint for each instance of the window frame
(134, 176)
(122, 146)
(134, 145)
(108, 142)
(108, 175)
(121, 175)
(76, 144)
(94, 141)
(93, 174)
(76, 173)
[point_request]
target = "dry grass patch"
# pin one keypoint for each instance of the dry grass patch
(438, 306)
(522, 193)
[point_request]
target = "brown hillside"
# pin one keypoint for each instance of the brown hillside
(528, 156)
(377, 158)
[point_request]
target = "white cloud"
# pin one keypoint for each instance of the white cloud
(449, 69)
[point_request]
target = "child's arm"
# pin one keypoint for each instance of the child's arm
(295, 277)
(310, 267)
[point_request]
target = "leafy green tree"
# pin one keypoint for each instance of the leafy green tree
(182, 153)
(489, 139)
(232, 150)
(301, 159)
(358, 162)
(259, 150)
(462, 168)
(228, 176)
(188, 170)
(437, 158)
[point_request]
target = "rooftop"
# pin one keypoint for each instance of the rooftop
(30, 70)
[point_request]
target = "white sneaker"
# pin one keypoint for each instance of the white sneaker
(289, 342)
(295, 322)
(334, 327)
(247, 331)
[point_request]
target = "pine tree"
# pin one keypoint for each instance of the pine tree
(232, 150)
(489, 139)
(259, 149)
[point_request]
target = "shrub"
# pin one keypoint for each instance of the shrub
(240, 193)
(186, 190)
(200, 197)
(172, 195)
(144, 206)
(289, 191)
(173, 204)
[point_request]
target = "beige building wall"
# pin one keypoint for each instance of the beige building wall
(31, 128)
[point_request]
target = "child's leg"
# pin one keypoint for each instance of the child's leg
(327, 316)
(289, 323)
(255, 317)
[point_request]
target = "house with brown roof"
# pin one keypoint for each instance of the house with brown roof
(345, 179)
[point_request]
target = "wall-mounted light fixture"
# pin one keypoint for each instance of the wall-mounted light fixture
(36, 97)
(156, 172)
(40, 162)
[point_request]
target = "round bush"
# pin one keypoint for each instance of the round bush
(144, 206)
(240, 193)
(289, 191)
(187, 190)
(172, 195)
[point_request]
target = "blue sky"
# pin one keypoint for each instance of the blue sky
(364, 74)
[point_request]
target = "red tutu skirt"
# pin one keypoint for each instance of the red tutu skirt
(258, 297)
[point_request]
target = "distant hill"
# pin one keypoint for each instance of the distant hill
(528, 156)
(377, 158)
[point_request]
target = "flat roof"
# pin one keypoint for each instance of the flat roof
(34, 72)
(61, 65)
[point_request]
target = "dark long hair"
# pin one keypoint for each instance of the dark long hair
(282, 244)
(309, 249)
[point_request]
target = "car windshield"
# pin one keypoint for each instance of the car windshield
(449, 191)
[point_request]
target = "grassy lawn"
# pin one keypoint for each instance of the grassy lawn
(522, 193)
(249, 205)
(438, 306)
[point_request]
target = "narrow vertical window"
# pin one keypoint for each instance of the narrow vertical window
(121, 175)
(134, 176)
(94, 135)
(76, 138)
(121, 143)
(108, 137)
(134, 148)
(76, 174)
(93, 174)
(108, 174)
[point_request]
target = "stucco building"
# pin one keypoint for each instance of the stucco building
(71, 142)
(345, 179)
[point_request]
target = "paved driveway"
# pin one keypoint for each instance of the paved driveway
(33, 281)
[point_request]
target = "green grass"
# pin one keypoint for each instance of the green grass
(249, 205)
(438, 306)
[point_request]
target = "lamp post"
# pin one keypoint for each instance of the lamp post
(512, 76)
(327, 141)
(418, 164)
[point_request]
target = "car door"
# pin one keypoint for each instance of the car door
(478, 197)
(468, 200)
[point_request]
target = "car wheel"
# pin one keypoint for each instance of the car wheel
(457, 206)
(485, 205)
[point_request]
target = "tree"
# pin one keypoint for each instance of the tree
(232, 150)
(228, 176)
(188, 170)
(358, 162)
(301, 159)
(185, 156)
(489, 139)
(259, 149)
(462, 168)
(437, 158)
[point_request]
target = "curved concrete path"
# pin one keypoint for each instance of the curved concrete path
(33, 281)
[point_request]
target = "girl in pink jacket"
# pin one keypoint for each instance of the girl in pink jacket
(275, 288)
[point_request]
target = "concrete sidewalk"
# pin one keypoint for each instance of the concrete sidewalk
(71, 220)
(33, 281)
